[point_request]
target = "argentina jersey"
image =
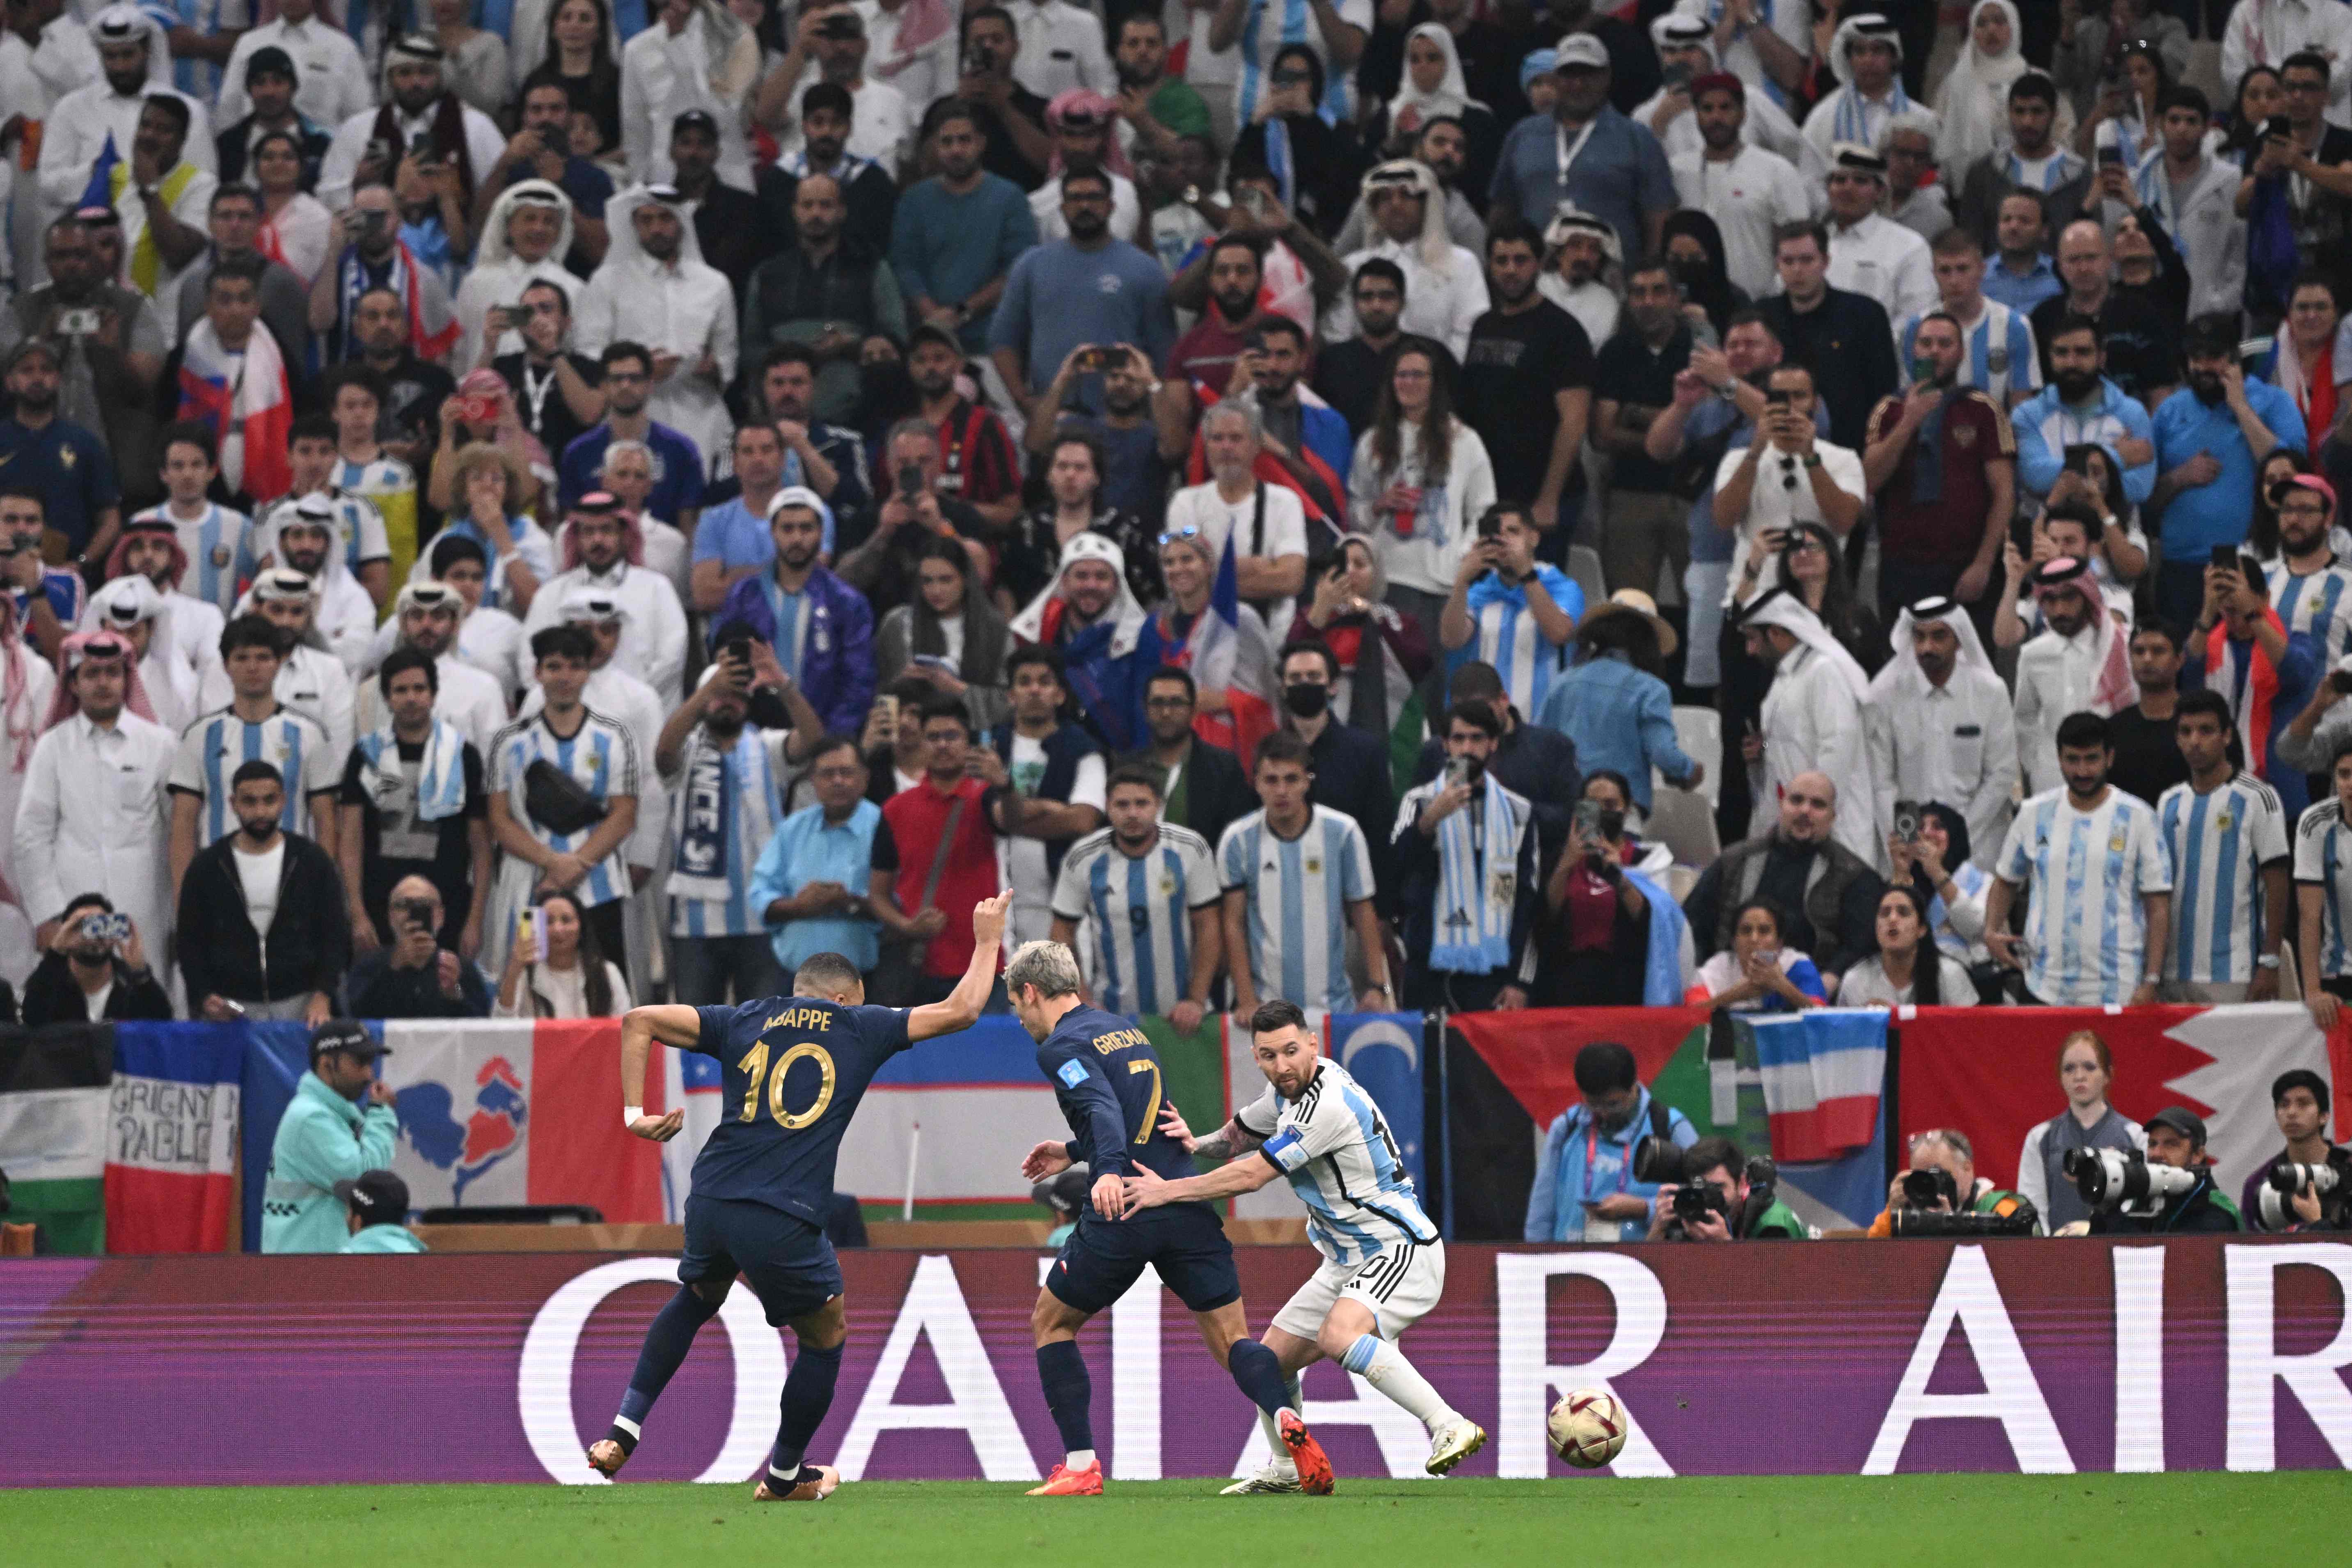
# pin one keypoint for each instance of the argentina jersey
(1342, 1162)
(724, 806)
(2085, 928)
(2220, 844)
(2323, 859)
(1299, 889)
(218, 545)
(2000, 357)
(1509, 639)
(793, 1069)
(1134, 914)
(599, 756)
(2317, 605)
(211, 749)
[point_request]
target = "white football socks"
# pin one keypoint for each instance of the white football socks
(1382, 1365)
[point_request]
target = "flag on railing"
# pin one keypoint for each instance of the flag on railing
(1822, 1070)
(1213, 652)
(171, 1143)
(53, 1111)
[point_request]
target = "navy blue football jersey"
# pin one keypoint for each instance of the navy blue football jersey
(795, 1069)
(1107, 1077)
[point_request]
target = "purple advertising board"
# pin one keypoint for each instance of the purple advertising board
(2198, 1352)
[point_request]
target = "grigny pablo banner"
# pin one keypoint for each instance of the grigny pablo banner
(2042, 1356)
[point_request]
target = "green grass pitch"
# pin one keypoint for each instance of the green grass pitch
(1813, 1522)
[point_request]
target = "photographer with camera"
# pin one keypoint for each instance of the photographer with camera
(2169, 1191)
(1710, 1192)
(1585, 1189)
(96, 969)
(415, 976)
(1941, 1195)
(2307, 1187)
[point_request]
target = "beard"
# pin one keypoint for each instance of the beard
(1092, 226)
(2074, 386)
(2207, 386)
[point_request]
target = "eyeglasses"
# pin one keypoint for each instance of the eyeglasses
(1402, 374)
(2311, 510)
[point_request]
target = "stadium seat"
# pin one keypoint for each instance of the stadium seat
(1584, 566)
(1683, 821)
(1699, 732)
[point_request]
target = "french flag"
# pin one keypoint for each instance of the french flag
(1213, 653)
(253, 399)
(171, 1152)
(1822, 1070)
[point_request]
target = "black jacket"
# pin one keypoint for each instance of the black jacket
(374, 989)
(310, 938)
(1216, 792)
(54, 996)
(1850, 332)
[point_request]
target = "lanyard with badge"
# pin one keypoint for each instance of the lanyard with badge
(1567, 154)
(1595, 1227)
(537, 395)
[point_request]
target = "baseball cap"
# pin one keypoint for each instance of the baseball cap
(2312, 482)
(270, 61)
(1581, 51)
(378, 1197)
(2181, 1120)
(346, 1035)
(695, 119)
(932, 333)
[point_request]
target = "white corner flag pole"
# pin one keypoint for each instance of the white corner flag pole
(914, 1150)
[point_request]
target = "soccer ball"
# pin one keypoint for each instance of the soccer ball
(1588, 1428)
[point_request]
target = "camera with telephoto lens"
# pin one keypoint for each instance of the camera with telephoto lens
(2330, 1182)
(2124, 1178)
(1932, 1205)
(1662, 1162)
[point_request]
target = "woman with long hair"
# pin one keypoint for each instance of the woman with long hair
(1908, 969)
(1812, 567)
(573, 48)
(2260, 95)
(1074, 467)
(1951, 885)
(1420, 480)
(296, 227)
(2085, 1070)
(1383, 655)
(1313, 156)
(1758, 973)
(2126, 116)
(575, 980)
(950, 635)
(1695, 254)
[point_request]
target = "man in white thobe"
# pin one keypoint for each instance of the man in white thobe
(1939, 725)
(654, 288)
(1812, 721)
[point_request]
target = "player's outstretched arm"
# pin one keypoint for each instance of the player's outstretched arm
(1146, 1190)
(640, 1028)
(1230, 1142)
(961, 1009)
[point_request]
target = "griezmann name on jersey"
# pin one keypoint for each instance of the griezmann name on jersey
(795, 1068)
(1107, 1081)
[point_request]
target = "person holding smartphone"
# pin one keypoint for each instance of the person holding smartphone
(95, 968)
(414, 976)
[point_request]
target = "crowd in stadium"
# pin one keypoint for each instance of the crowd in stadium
(513, 508)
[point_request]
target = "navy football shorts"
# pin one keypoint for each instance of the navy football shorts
(787, 1261)
(1185, 1242)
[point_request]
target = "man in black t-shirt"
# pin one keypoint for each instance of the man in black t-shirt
(1527, 388)
(2142, 353)
(1010, 117)
(404, 811)
(1632, 383)
(2147, 757)
(552, 386)
(1349, 375)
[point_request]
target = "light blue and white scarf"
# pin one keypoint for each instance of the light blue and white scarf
(1297, 22)
(1853, 112)
(440, 782)
(2062, 166)
(1471, 923)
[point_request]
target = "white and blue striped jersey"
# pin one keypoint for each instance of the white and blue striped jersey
(385, 475)
(2085, 931)
(1134, 914)
(357, 525)
(2323, 859)
(724, 806)
(1342, 1162)
(2220, 843)
(219, 547)
(2000, 358)
(213, 747)
(1299, 889)
(1508, 638)
(2319, 604)
(600, 756)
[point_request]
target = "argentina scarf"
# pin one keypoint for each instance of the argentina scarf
(714, 791)
(1471, 923)
(2060, 167)
(1853, 112)
(441, 780)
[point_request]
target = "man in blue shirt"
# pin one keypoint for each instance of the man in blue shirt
(2211, 436)
(795, 1072)
(1587, 155)
(1092, 288)
(48, 604)
(676, 495)
(62, 463)
(811, 882)
(1107, 1080)
(2080, 404)
(956, 235)
(2020, 275)
(1584, 1188)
